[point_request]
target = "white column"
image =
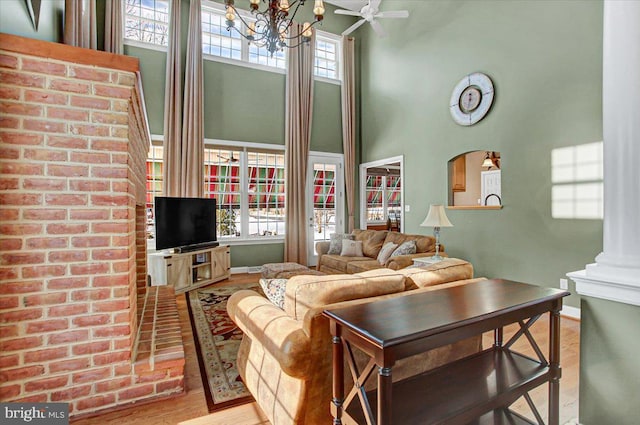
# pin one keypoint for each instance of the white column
(616, 273)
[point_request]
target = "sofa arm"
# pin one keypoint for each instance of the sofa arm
(402, 261)
(322, 247)
(270, 327)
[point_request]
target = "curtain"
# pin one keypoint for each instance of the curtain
(299, 111)
(173, 107)
(113, 27)
(348, 94)
(191, 167)
(80, 23)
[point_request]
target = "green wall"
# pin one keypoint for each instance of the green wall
(545, 60)
(15, 19)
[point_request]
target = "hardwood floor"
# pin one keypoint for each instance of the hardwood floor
(191, 408)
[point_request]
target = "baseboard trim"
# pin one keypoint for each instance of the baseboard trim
(246, 269)
(570, 312)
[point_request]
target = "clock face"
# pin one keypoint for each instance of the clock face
(471, 99)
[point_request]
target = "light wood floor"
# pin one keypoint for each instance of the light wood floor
(191, 408)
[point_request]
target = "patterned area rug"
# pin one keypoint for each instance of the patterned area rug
(217, 343)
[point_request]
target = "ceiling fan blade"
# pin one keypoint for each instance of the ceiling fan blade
(375, 4)
(353, 27)
(355, 5)
(378, 29)
(347, 12)
(393, 14)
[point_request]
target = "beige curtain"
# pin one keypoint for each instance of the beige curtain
(113, 27)
(173, 107)
(80, 23)
(349, 125)
(191, 170)
(299, 111)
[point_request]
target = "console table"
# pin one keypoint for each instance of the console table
(475, 390)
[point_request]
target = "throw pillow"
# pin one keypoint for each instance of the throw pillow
(274, 290)
(408, 247)
(335, 246)
(386, 251)
(351, 248)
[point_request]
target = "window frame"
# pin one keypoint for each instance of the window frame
(140, 43)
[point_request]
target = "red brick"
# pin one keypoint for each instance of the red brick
(47, 325)
(89, 185)
(44, 126)
(102, 214)
(45, 97)
(90, 158)
(21, 287)
(90, 130)
(90, 241)
(10, 244)
(43, 271)
(19, 79)
(45, 155)
(90, 269)
(71, 394)
(110, 306)
(110, 254)
(109, 228)
(91, 348)
(44, 214)
(9, 93)
(136, 392)
(45, 184)
(45, 299)
(28, 109)
(68, 283)
(122, 187)
(120, 344)
(45, 355)
(113, 384)
(67, 142)
(94, 320)
(9, 183)
(109, 145)
(8, 273)
(21, 344)
(7, 61)
(69, 337)
(120, 214)
(93, 403)
(67, 114)
(24, 169)
(39, 243)
(21, 373)
(21, 138)
(7, 332)
(46, 384)
(92, 295)
(170, 386)
(68, 310)
(20, 229)
(9, 214)
(7, 122)
(67, 256)
(122, 241)
(90, 102)
(110, 331)
(9, 392)
(111, 91)
(36, 398)
(67, 170)
(9, 153)
(110, 280)
(92, 375)
(109, 172)
(66, 229)
(9, 361)
(91, 74)
(49, 68)
(20, 315)
(153, 376)
(69, 365)
(21, 258)
(109, 118)
(110, 200)
(120, 266)
(120, 132)
(9, 302)
(69, 86)
(20, 199)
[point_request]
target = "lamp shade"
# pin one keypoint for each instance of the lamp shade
(436, 217)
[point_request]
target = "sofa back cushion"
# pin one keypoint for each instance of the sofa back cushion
(447, 270)
(372, 241)
(423, 243)
(307, 292)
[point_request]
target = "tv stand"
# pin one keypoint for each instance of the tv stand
(186, 271)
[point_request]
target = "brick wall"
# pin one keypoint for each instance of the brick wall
(72, 246)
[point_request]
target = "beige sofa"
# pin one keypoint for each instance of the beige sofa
(372, 242)
(285, 354)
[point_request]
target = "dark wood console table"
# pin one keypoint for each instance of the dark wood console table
(475, 390)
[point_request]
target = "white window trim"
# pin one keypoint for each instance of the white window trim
(144, 45)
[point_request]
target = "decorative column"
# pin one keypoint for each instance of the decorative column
(616, 273)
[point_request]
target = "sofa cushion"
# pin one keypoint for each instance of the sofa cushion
(363, 266)
(335, 246)
(372, 241)
(407, 248)
(447, 270)
(423, 243)
(386, 251)
(351, 248)
(338, 262)
(274, 290)
(304, 293)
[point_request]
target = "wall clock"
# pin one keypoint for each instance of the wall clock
(471, 99)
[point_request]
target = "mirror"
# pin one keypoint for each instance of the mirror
(475, 180)
(381, 194)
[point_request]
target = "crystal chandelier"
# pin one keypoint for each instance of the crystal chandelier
(271, 27)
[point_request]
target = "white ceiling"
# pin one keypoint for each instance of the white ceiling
(349, 4)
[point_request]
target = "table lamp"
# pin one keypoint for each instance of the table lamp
(436, 218)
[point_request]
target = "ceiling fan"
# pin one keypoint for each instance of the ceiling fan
(369, 13)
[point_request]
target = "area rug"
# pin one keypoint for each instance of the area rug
(217, 343)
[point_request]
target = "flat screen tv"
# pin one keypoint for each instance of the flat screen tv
(186, 223)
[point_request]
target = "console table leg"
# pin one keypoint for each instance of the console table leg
(384, 395)
(338, 380)
(554, 364)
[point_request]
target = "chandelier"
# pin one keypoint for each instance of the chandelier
(271, 27)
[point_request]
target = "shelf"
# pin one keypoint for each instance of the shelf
(464, 390)
(195, 266)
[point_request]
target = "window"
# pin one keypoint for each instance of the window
(576, 175)
(216, 40)
(147, 21)
(222, 181)
(384, 195)
(266, 194)
(155, 171)
(327, 54)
